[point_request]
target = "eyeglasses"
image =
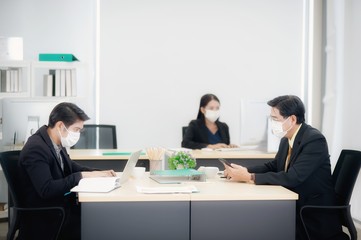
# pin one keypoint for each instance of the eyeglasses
(76, 129)
(277, 120)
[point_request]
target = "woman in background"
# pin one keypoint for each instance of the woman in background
(207, 131)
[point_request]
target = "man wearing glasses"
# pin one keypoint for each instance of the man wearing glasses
(302, 164)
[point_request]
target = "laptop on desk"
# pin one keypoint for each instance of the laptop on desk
(107, 184)
(129, 167)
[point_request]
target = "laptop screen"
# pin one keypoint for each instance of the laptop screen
(129, 167)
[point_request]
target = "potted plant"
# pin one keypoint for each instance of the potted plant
(181, 160)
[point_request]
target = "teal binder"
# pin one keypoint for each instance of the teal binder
(57, 57)
(119, 153)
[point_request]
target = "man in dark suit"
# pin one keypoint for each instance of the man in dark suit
(47, 174)
(302, 164)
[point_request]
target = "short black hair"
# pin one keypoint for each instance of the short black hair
(289, 105)
(68, 113)
(204, 101)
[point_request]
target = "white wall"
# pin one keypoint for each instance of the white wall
(158, 57)
(352, 85)
(55, 27)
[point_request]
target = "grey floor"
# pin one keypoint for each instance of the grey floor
(4, 229)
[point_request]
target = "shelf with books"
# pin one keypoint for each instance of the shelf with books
(56, 79)
(14, 79)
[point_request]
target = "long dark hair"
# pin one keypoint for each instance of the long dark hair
(204, 101)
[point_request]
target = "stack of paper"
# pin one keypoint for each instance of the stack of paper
(181, 189)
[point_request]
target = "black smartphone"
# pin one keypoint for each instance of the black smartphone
(224, 161)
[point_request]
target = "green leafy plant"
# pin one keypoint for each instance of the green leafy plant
(182, 159)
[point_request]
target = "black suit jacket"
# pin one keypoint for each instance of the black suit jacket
(309, 175)
(45, 184)
(43, 180)
(196, 135)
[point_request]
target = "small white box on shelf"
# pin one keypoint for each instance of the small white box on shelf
(11, 48)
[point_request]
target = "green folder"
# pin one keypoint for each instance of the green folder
(58, 57)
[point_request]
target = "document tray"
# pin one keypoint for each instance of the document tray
(177, 176)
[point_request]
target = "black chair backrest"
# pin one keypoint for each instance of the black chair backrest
(345, 174)
(105, 135)
(184, 129)
(9, 163)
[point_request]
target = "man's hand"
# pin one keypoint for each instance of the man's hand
(237, 173)
(105, 173)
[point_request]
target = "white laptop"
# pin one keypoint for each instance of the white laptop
(107, 184)
(129, 167)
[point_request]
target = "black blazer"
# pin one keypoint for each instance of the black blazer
(309, 175)
(45, 184)
(43, 180)
(196, 135)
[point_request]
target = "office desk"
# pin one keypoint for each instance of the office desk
(97, 159)
(221, 210)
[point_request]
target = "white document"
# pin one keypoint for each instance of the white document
(48, 85)
(238, 149)
(181, 189)
(68, 91)
(57, 82)
(97, 184)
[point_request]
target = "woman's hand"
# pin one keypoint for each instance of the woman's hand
(105, 173)
(237, 173)
(233, 146)
(222, 145)
(218, 145)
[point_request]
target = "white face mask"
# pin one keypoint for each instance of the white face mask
(277, 128)
(71, 139)
(212, 115)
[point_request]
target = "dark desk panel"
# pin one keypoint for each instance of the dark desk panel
(118, 165)
(135, 220)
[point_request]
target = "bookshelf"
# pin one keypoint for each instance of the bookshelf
(15, 79)
(67, 76)
(29, 78)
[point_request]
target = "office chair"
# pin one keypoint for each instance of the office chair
(344, 177)
(97, 136)
(9, 164)
(184, 129)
